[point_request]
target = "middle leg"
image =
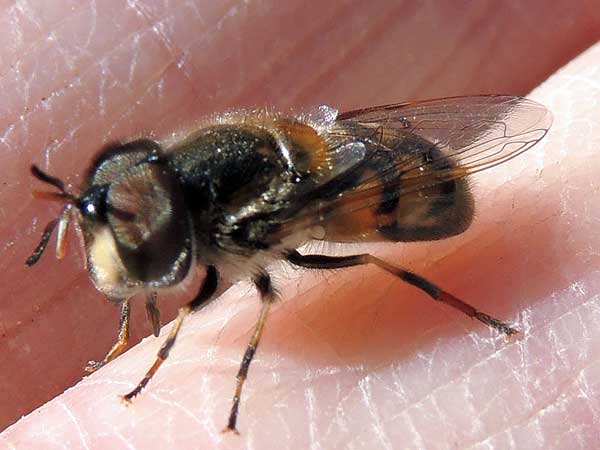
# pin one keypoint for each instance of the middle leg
(265, 288)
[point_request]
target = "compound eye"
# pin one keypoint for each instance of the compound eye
(116, 158)
(150, 223)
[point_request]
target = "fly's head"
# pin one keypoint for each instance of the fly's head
(133, 218)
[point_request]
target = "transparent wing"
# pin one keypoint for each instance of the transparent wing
(470, 134)
(475, 132)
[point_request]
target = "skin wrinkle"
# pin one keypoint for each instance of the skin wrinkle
(378, 299)
(584, 350)
(521, 14)
(270, 65)
(310, 402)
(210, 426)
(418, 401)
(83, 435)
(377, 424)
(306, 326)
(524, 374)
(439, 388)
(74, 82)
(491, 43)
(585, 389)
(442, 417)
(433, 78)
(181, 60)
(50, 304)
(573, 432)
(451, 54)
(350, 53)
(478, 426)
(175, 53)
(29, 110)
(20, 7)
(540, 409)
(124, 440)
(489, 405)
(429, 398)
(339, 410)
(133, 35)
(533, 418)
(358, 387)
(181, 408)
(93, 27)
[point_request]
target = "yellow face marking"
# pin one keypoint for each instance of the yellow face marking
(105, 260)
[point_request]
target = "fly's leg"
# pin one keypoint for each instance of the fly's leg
(153, 313)
(438, 294)
(207, 290)
(119, 345)
(265, 288)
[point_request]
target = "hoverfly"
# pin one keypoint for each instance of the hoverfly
(245, 188)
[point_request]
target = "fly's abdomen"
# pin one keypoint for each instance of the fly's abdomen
(379, 203)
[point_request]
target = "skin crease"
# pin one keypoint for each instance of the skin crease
(350, 359)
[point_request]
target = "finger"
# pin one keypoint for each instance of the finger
(105, 96)
(359, 351)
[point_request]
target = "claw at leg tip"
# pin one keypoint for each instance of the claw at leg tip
(511, 332)
(91, 367)
(230, 430)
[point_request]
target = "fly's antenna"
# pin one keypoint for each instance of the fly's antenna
(53, 181)
(62, 221)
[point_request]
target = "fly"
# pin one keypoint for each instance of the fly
(249, 187)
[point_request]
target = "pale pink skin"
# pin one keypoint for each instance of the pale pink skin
(350, 359)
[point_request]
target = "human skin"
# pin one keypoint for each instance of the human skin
(351, 359)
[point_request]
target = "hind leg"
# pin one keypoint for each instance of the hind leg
(435, 292)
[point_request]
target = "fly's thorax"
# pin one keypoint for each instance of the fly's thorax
(239, 180)
(224, 166)
(232, 164)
